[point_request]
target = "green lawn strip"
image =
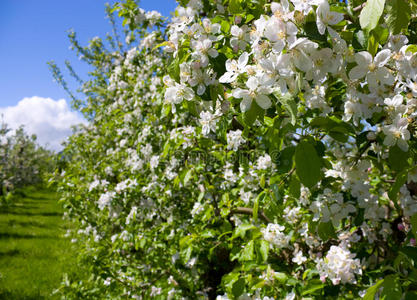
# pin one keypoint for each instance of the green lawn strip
(34, 254)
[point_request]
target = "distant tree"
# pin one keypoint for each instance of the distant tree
(22, 161)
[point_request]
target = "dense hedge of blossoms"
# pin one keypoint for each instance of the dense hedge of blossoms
(249, 150)
(22, 161)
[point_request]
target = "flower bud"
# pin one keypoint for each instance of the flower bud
(371, 136)
(400, 227)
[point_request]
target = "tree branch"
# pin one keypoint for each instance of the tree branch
(359, 7)
(249, 211)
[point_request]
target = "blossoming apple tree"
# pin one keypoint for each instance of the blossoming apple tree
(248, 150)
(22, 161)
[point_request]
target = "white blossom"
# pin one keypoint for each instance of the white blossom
(340, 266)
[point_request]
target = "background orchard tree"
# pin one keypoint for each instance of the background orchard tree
(248, 150)
(22, 161)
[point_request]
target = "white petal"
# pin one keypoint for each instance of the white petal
(401, 122)
(235, 30)
(285, 5)
(188, 93)
(240, 93)
(267, 65)
(263, 101)
(321, 26)
(279, 45)
(357, 72)
(403, 145)
(206, 44)
(215, 28)
(213, 53)
(230, 65)
(405, 134)
(291, 29)
(397, 100)
(282, 86)
(373, 80)
(385, 76)
(245, 104)
(201, 89)
(363, 58)
(382, 57)
(302, 61)
(389, 140)
(228, 77)
(252, 83)
(243, 60)
(275, 6)
(335, 18)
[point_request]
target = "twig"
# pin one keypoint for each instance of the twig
(286, 176)
(359, 7)
(249, 211)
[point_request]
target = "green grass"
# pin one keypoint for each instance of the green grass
(34, 254)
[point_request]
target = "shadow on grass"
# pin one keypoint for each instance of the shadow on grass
(21, 213)
(15, 296)
(14, 207)
(35, 199)
(14, 252)
(26, 236)
(27, 224)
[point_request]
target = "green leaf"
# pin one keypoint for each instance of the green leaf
(411, 48)
(410, 252)
(307, 164)
(370, 293)
(335, 127)
(288, 101)
(360, 41)
(247, 252)
(160, 45)
(187, 176)
(326, 231)
(256, 208)
(276, 193)
(410, 295)
(174, 69)
(370, 14)
(313, 286)
(398, 15)
(234, 6)
(264, 249)
(254, 112)
(284, 161)
(268, 121)
(397, 158)
(281, 277)
(373, 44)
(413, 221)
(241, 229)
(295, 187)
(399, 182)
(238, 287)
(310, 28)
(381, 33)
(392, 288)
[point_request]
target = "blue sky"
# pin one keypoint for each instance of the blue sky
(33, 32)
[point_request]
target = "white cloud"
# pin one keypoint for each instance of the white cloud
(50, 120)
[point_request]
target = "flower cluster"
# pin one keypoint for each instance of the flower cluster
(339, 265)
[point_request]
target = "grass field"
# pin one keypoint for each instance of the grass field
(34, 255)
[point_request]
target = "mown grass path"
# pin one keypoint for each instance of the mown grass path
(33, 251)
